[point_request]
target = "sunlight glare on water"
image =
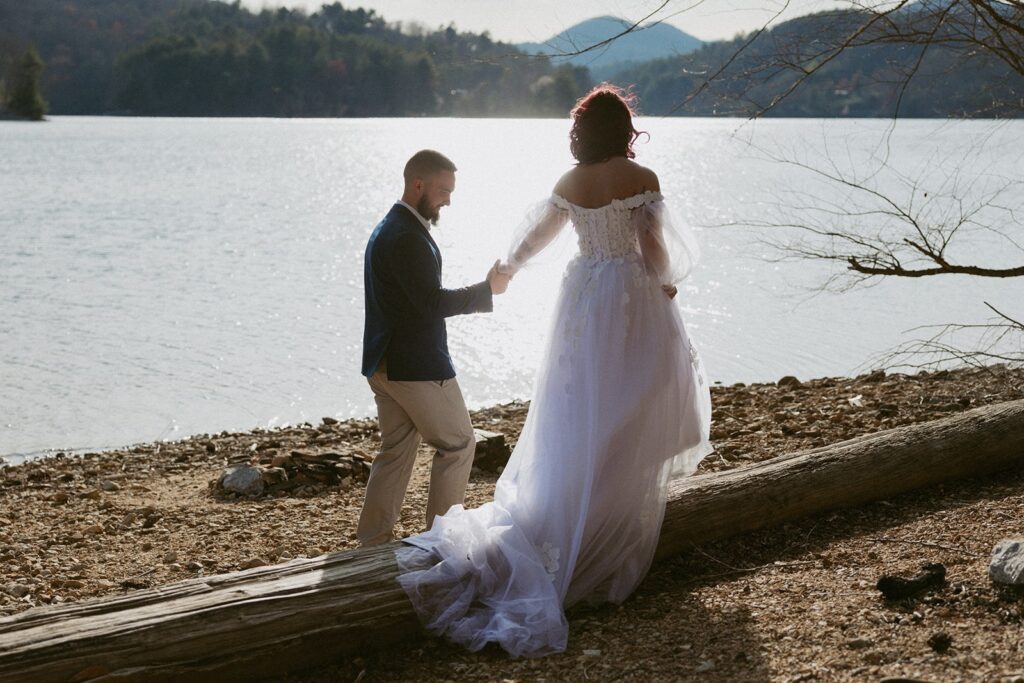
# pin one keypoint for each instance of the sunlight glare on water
(164, 277)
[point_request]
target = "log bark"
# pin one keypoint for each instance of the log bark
(267, 621)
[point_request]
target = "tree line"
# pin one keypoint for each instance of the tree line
(209, 58)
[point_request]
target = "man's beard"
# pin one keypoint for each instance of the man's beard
(429, 212)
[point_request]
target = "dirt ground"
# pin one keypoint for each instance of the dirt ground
(795, 603)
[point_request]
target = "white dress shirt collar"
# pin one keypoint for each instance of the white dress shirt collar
(424, 221)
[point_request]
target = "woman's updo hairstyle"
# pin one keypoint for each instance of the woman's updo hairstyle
(602, 125)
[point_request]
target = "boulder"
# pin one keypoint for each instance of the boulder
(1007, 563)
(244, 479)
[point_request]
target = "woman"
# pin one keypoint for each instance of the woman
(620, 405)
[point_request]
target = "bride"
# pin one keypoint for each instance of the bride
(620, 406)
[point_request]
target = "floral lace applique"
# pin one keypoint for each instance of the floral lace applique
(695, 362)
(549, 556)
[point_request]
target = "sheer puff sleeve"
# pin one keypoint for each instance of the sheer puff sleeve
(542, 224)
(670, 252)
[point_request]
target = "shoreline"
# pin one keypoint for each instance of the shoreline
(73, 528)
(15, 459)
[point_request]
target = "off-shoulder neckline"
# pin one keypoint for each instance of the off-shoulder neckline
(631, 202)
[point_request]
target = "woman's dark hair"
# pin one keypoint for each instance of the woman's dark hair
(602, 125)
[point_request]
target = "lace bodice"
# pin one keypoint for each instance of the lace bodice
(606, 232)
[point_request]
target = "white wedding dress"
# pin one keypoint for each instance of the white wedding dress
(621, 405)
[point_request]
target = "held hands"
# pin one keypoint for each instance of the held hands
(497, 279)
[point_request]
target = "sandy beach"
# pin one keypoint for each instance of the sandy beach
(795, 603)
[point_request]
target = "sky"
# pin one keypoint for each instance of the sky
(520, 21)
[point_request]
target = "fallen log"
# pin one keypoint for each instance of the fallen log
(845, 474)
(271, 620)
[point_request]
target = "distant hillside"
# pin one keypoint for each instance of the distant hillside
(862, 81)
(213, 58)
(643, 44)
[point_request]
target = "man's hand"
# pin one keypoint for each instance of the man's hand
(498, 280)
(670, 291)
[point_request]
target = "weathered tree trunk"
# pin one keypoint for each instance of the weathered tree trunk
(266, 621)
(871, 467)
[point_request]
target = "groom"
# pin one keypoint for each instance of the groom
(405, 351)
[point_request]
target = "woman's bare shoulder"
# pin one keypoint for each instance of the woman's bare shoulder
(645, 177)
(567, 182)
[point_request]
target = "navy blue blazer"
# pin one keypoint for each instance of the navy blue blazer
(406, 304)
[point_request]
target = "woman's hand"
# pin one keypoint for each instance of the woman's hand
(670, 291)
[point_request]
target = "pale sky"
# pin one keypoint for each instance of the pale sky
(537, 20)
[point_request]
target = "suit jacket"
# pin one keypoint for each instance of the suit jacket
(406, 304)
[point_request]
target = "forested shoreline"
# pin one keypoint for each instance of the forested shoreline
(209, 58)
(214, 58)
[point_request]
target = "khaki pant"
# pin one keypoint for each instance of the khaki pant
(406, 411)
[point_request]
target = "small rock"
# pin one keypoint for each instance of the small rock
(244, 479)
(706, 665)
(254, 562)
(170, 557)
(93, 530)
(789, 381)
(329, 421)
(491, 453)
(147, 546)
(859, 643)
(60, 498)
(194, 566)
(107, 485)
(18, 590)
(591, 653)
(1007, 563)
(273, 476)
(93, 495)
(940, 642)
(281, 460)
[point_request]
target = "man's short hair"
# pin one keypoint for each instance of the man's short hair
(426, 162)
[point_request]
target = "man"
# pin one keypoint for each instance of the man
(405, 351)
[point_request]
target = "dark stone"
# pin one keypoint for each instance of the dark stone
(874, 376)
(940, 642)
(888, 410)
(491, 451)
(897, 587)
(789, 381)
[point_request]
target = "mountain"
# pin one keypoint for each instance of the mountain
(643, 44)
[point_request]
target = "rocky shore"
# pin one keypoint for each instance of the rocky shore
(792, 604)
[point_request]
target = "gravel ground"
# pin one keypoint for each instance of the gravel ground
(795, 603)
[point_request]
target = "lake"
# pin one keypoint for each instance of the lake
(165, 277)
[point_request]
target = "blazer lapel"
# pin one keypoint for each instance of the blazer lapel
(415, 222)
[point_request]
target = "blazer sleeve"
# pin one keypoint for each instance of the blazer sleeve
(420, 279)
